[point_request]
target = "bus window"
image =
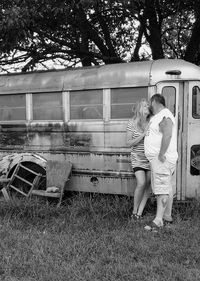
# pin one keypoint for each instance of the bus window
(195, 160)
(47, 106)
(123, 99)
(87, 104)
(196, 102)
(12, 107)
(169, 94)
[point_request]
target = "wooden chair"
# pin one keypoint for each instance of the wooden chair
(57, 175)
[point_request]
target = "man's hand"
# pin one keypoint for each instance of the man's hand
(161, 158)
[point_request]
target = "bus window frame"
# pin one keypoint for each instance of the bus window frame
(130, 87)
(47, 120)
(175, 93)
(84, 119)
(176, 85)
(192, 114)
(22, 121)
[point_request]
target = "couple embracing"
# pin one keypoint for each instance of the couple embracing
(151, 134)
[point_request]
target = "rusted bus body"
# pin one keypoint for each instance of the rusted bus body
(95, 167)
(81, 115)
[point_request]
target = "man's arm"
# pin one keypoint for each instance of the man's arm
(166, 129)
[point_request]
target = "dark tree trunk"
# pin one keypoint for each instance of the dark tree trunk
(135, 56)
(92, 34)
(153, 30)
(86, 60)
(192, 50)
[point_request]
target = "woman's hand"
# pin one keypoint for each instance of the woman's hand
(146, 129)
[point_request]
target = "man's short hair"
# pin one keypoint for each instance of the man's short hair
(158, 98)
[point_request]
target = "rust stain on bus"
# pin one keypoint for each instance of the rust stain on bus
(47, 127)
(59, 135)
(13, 139)
(13, 135)
(53, 135)
(77, 140)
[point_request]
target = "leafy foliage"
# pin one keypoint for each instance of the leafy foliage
(46, 33)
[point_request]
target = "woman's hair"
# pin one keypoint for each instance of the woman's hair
(138, 113)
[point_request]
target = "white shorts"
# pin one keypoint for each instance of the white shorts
(161, 176)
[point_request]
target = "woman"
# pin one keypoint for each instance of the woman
(136, 130)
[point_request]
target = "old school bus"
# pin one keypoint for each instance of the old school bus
(80, 115)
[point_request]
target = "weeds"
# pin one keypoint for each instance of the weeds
(90, 237)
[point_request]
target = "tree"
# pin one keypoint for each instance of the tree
(36, 31)
(90, 32)
(192, 53)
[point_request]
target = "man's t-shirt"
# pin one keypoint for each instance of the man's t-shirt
(153, 138)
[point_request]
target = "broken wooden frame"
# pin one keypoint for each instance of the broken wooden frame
(57, 175)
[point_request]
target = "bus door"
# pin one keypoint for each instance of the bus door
(173, 94)
(192, 141)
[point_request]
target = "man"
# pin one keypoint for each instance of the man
(160, 146)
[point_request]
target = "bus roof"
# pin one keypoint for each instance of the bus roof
(134, 74)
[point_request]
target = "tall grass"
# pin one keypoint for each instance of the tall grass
(90, 237)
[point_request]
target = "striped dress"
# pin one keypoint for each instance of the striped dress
(138, 158)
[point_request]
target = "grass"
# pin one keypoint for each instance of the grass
(91, 238)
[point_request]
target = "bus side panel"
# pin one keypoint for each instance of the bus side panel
(87, 178)
(101, 162)
(102, 184)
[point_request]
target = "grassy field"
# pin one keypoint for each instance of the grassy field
(92, 238)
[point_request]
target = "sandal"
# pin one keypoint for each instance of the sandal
(136, 217)
(153, 227)
(167, 223)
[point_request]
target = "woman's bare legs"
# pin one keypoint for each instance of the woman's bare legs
(146, 193)
(139, 190)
